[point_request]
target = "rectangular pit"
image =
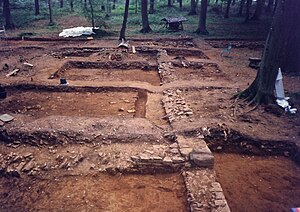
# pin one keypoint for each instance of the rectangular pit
(37, 104)
(109, 71)
(95, 193)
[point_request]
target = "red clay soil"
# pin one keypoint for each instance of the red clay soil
(252, 183)
(94, 193)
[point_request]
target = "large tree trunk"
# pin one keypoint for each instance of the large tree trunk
(169, 3)
(72, 5)
(248, 7)
(242, 3)
(36, 7)
(261, 91)
(258, 10)
(180, 5)
(144, 12)
(61, 3)
(227, 9)
(202, 18)
(6, 15)
(125, 16)
(92, 13)
(151, 9)
(291, 43)
(193, 8)
(270, 6)
(50, 12)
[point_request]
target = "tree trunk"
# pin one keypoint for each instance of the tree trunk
(169, 3)
(258, 10)
(61, 3)
(249, 3)
(114, 4)
(227, 9)
(242, 3)
(180, 5)
(36, 7)
(6, 15)
(291, 43)
(233, 2)
(72, 5)
(92, 13)
(125, 16)
(270, 6)
(276, 3)
(50, 12)
(261, 91)
(151, 9)
(202, 18)
(144, 12)
(193, 8)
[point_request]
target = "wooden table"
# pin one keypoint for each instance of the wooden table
(174, 23)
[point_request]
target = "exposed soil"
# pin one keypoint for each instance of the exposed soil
(94, 193)
(121, 104)
(43, 104)
(253, 183)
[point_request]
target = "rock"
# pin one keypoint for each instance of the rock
(12, 172)
(112, 103)
(167, 159)
(174, 151)
(177, 159)
(174, 145)
(121, 109)
(202, 159)
(186, 151)
(220, 203)
(131, 111)
(135, 158)
(29, 166)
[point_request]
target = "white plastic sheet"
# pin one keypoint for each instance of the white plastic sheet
(77, 31)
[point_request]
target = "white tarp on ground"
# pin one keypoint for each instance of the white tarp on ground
(76, 32)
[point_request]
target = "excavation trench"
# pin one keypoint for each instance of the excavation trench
(94, 193)
(108, 71)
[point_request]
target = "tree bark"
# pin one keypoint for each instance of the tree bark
(144, 12)
(61, 3)
(193, 8)
(114, 4)
(202, 18)
(242, 3)
(72, 5)
(151, 9)
(125, 16)
(169, 3)
(180, 5)
(36, 7)
(249, 3)
(227, 9)
(270, 6)
(258, 10)
(92, 13)
(261, 91)
(50, 12)
(291, 43)
(7, 15)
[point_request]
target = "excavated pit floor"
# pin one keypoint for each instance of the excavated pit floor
(38, 104)
(77, 181)
(104, 75)
(273, 183)
(98, 192)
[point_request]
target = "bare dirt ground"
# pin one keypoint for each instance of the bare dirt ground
(122, 110)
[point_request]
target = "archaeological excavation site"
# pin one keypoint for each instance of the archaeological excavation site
(88, 126)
